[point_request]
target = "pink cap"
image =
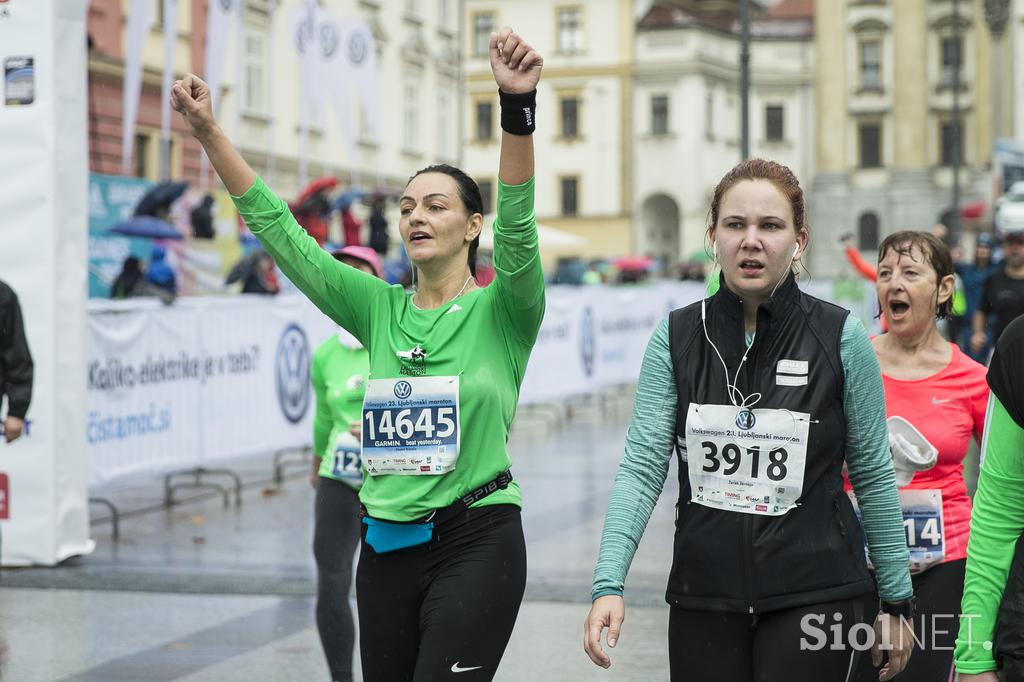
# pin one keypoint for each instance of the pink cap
(363, 253)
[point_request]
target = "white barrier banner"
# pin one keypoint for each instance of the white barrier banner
(201, 380)
(43, 201)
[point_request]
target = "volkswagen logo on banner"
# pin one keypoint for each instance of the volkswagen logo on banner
(403, 389)
(357, 47)
(226, 5)
(291, 369)
(328, 40)
(588, 341)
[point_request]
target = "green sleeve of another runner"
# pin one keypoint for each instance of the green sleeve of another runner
(322, 422)
(997, 521)
(870, 464)
(342, 292)
(644, 466)
(518, 274)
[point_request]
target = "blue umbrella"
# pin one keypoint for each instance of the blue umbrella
(146, 226)
(346, 198)
(160, 197)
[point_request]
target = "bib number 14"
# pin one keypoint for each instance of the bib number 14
(730, 460)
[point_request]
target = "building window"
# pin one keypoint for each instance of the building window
(254, 72)
(410, 8)
(484, 121)
(952, 137)
(570, 196)
(570, 117)
(444, 13)
(871, 65)
(483, 26)
(870, 145)
(141, 155)
(867, 232)
(570, 30)
(411, 117)
(952, 54)
(487, 194)
(774, 124)
(659, 115)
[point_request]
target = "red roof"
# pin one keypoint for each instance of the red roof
(792, 9)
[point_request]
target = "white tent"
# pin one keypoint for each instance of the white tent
(549, 237)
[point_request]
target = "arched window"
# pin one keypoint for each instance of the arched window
(867, 232)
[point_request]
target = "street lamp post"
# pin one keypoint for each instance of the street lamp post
(745, 79)
(997, 15)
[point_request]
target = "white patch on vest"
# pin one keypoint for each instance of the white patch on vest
(792, 367)
(784, 380)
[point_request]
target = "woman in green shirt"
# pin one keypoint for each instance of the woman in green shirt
(993, 586)
(443, 565)
(338, 372)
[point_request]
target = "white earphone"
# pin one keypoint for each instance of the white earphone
(714, 249)
(796, 250)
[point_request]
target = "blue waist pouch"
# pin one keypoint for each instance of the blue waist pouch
(388, 536)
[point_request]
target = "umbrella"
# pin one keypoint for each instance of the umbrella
(346, 198)
(159, 198)
(700, 256)
(315, 187)
(973, 211)
(146, 226)
(633, 262)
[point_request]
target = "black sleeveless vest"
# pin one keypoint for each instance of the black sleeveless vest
(733, 561)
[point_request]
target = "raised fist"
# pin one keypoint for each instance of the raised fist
(516, 66)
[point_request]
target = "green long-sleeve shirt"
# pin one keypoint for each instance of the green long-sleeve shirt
(649, 446)
(483, 337)
(997, 520)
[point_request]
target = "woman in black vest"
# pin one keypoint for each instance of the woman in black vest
(764, 392)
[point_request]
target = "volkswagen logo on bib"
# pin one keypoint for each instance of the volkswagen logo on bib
(745, 420)
(403, 389)
(587, 341)
(291, 369)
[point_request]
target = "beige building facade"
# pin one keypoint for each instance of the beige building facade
(584, 116)
(886, 138)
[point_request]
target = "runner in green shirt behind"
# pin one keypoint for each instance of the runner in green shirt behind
(443, 563)
(339, 371)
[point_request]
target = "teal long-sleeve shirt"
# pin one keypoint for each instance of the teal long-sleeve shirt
(651, 436)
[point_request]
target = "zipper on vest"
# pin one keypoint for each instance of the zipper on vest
(748, 564)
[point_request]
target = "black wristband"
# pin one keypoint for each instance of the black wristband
(518, 112)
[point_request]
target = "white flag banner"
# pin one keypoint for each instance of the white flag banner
(222, 19)
(333, 70)
(170, 20)
(140, 21)
(360, 52)
(303, 32)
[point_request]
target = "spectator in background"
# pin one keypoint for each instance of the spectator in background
(159, 273)
(15, 364)
(130, 281)
(973, 274)
(261, 278)
(380, 239)
(202, 219)
(1002, 296)
(351, 225)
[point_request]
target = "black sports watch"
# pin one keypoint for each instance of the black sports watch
(906, 608)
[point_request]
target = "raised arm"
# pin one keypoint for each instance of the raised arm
(342, 292)
(519, 277)
(191, 98)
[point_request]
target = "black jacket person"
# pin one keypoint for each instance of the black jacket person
(15, 363)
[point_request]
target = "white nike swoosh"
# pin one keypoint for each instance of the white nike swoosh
(457, 669)
(936, 401)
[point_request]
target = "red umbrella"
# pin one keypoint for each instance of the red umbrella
(973, 211)
(318, 185)
(633, 262)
